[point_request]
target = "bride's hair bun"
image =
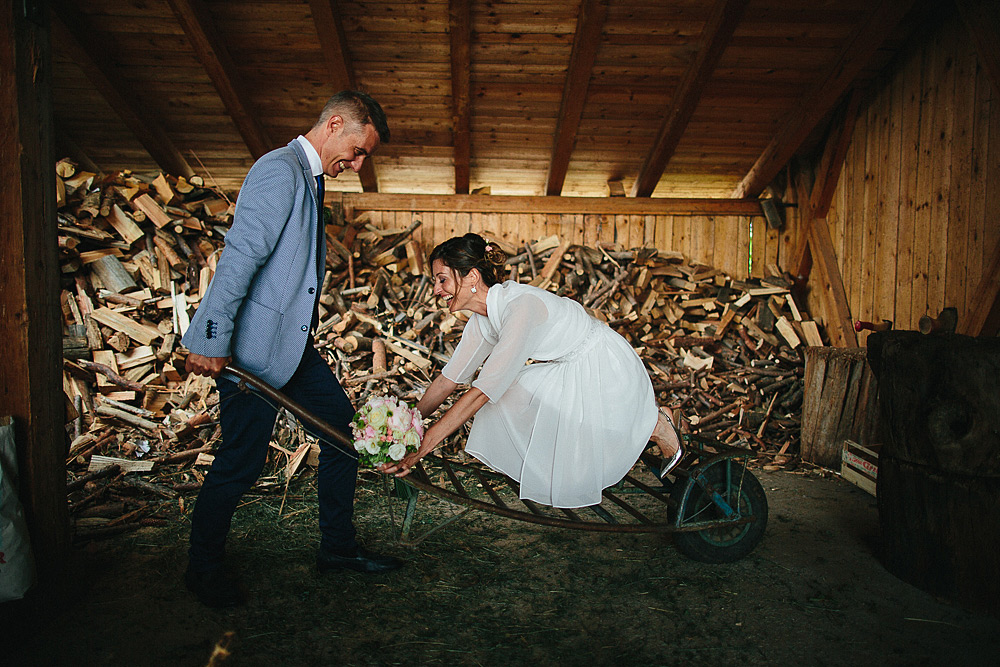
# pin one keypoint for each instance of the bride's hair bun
(494, 255)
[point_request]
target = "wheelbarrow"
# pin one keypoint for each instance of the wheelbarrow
(714, 506)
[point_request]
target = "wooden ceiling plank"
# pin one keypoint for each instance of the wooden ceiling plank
(340, 67)
(214, 56)
(718, 31)
(590, 24)
(460, 31)
(815, 104)
(91, 56)
(982, 20)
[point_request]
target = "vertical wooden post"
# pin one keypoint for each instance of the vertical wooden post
(30, 328)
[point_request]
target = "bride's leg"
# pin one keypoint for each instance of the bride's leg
(666, 435)
(668, 439)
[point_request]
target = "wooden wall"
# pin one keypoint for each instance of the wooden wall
(914, 219)
(720, 241)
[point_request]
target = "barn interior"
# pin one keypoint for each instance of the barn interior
(784, 204)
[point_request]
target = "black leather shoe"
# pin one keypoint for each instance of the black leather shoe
(362, 561)
(214, 588)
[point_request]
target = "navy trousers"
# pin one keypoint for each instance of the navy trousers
(247, 422)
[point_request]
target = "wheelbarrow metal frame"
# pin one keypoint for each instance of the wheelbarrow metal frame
(420, 481)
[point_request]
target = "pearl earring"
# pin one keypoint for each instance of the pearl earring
(474, 290)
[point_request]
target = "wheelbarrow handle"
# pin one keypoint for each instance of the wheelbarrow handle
(248, 379)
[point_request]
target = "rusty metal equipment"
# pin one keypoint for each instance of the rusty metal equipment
(714, 507)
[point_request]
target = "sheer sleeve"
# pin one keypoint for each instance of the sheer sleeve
(472, 350)
(520, 332)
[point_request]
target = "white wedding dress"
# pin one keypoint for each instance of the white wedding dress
(568, 425)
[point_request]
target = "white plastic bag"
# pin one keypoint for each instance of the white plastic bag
(16, 566)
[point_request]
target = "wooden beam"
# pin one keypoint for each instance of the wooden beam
(827, 177)
(214, 56)
(589, 26)
(834, 154)
(460, 30)
(89, 49)
(982, 20)
(31, 326)
(817, 102)
(559, 205)
(718, 30)
(839, 326)
(340, 67)
(985, 306)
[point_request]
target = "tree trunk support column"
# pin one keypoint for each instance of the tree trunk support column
(30, 325)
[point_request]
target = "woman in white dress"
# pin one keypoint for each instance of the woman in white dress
(566, 426)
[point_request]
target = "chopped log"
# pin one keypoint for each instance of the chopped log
(149, 487)
(378, 356)
(124, 465)
(127, 417)
(100, 473)
(119, 322)
(124, 225)
(811, 333)
(164, 246)
(152, 210)
(112, 274)
(787, 332)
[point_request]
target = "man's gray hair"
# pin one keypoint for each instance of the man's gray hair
(356, 107)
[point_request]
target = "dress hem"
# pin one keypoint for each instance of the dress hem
(499, 469)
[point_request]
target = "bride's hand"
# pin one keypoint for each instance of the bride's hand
(402, 468)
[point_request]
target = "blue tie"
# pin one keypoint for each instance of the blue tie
(320, 193)
(320, 242)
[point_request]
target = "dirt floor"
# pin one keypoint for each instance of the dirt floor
(491, 591)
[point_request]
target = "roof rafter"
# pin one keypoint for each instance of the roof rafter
(589, 25)
(828, 174)
(715, 36)
(460, 31)
(982, 20)
(816, 103)
(214, 56)
(981, 317)
(92, 56)
(332, 38)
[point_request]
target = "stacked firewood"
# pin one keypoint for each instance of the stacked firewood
(137, 255)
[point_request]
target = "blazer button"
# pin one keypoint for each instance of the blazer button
(312, 290)
(305, 328)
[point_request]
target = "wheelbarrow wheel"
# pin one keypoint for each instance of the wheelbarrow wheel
(724, 544)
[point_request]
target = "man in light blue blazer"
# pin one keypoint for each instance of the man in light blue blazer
(258, 313)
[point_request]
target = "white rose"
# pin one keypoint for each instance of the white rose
(397, 452)
(411, 439)
(372, 447)
(379, 416)
(360, 444)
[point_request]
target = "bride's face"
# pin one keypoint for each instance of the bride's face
(451, 287)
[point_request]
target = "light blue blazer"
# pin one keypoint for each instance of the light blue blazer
(259, 306)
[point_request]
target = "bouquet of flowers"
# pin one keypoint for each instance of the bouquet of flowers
(386, 430)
